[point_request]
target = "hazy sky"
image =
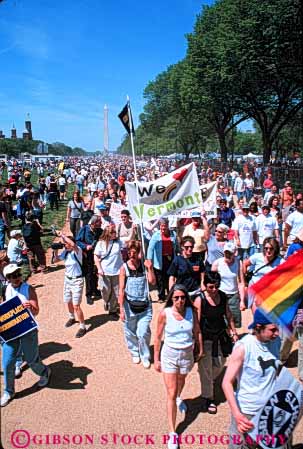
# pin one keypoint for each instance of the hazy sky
(62, 61)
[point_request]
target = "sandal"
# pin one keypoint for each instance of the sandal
(212, 408)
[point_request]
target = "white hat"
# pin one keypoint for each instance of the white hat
(10, 268)
(16, 232)
(223, 227)
(230, 247)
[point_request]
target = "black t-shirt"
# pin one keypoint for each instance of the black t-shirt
(181, 269)
(31, 234)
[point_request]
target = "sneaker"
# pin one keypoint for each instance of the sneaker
(81, 332)
(6, 398)
(44, 380)
(18, 372)
(136, 359)
(173, 441)
(114, 316)
(146, 363)
(70, 322)
(181, 405)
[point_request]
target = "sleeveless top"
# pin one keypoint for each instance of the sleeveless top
(22, 291)
(256, 378)
(179, 334)
(213, 325)
(136, 288)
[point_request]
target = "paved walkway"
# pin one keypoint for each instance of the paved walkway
(96, 394)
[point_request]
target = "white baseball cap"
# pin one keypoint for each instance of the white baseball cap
(10, 269)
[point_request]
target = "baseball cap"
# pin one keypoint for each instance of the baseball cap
(195, 214)
(16, 232)
(101, 207)
(10, 268)
(230, 246)
(259, 318)
(245, 206)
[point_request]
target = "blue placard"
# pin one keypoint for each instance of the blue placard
(15, 320)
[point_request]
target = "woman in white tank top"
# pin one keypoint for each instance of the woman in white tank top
(179, 323)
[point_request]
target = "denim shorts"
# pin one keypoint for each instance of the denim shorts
(176, 360)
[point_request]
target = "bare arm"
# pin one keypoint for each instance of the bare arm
(121, 297)
(197, 333)
(171, 281)
(151, 277)
(246, 263)
(234, 367)
(241, 286)
(32, 303)
(286, 233)
(157, 341)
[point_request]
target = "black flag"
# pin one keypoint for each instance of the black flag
(127, 120)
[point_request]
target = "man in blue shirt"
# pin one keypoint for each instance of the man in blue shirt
(226, 214)
(87, 239)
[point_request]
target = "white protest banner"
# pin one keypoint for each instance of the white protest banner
(276, 421)
(168, 195)
(115, 212)
(209, 202)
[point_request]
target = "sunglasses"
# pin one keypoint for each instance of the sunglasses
(14, 275)
(220, 232)
(212, 287)
(188, 247)
(183, 297)
(268, 248)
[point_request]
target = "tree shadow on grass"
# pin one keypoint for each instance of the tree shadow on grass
(64, 376)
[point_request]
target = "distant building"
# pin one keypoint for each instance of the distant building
(27, 133)
(13, 132)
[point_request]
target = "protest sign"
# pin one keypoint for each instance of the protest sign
(115, 212)
(209, 202)
(276, 421)
(15, 320)
(168, 195)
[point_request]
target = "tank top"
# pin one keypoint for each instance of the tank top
(256, 379)
(22, 291)
(179, 334)
(229, 276)
(212, 317)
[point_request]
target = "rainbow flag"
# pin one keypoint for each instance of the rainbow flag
(279, 293)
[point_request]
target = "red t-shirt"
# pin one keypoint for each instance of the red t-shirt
(167, 246)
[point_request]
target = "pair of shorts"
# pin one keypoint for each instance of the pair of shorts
(179, 361)
(72, 290)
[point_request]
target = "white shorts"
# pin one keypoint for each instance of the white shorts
(72, 290)
(177, 360)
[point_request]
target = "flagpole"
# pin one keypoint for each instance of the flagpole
(135, 169)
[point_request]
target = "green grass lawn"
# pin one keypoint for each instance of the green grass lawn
(50, 217)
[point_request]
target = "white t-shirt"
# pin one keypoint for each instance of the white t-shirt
(62, 181)
(245, 225)
(229, 276)
(295, 220)
(112, 259)
(266, 225)
(72, 266)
